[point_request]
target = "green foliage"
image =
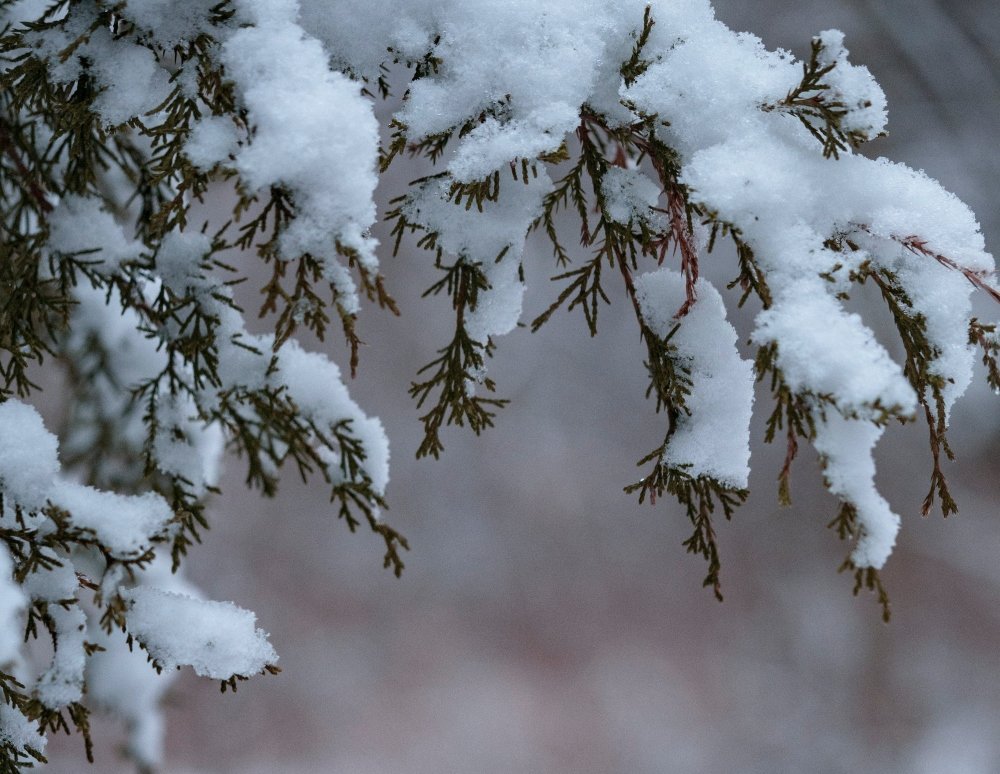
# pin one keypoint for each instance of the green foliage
(987, 339)
(929, 386)
(845, 524)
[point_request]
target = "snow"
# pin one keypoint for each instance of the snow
(178, 261)
(828, 352)
(217, 639)
(126, 524)
(12, 604)
(712, 438)
(185, 447)
(213, 139)
(28, 455)
(315, 385)
(308, 121)
(628, 195)
(854, 87)
(849, 469)
(134, 83)
(55, 584)
(120, 680)
(480, 238)
(62, 682)
(17, 731)
(172, 23)
(539, 61)
(81, 225)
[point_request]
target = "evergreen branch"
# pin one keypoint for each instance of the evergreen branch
(811, 104)
(700, 497)
(636, 65)
(978, 279)
(845, 524)
(928, 385)
(988, 340)
(751, 278)
(584, 291)
(458, 368)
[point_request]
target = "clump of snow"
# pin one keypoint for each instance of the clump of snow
(126, 524)
(826, 351)
(133, 81)
(218, 639)
(712, 438)
(483, 237)
(29, 475)
(28, 455)
(129, 79)
(185, 447)
(313, 133)
(62, 682)
(213, 140)
(628, 195)
(854, 87)
(119, 679)
(19, 732)
(315, 384)
(53, 584)
(178, 260)
(849, 469)
(81, 225)
(533, 64)
(12, 605)
(171, 22)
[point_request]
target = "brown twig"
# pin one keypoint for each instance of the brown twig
(978, 279)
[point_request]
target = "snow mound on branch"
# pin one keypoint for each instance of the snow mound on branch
(313, 133)
(217, 639)
(712, 438)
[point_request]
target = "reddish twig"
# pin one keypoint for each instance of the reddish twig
(683, 242)
(676, 209)
(978, 278)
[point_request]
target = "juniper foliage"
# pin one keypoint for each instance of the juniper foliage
(72, 159)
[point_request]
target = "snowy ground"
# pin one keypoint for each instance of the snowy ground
(546, 623)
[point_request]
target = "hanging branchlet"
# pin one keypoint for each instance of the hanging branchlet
(670, 381)
(568, 191)
(792, 415)
(751, 279)
(299, 288)
(699, 496)
(636, 65)
(987, 339)
(918, 369)
(845, 524)
(459, 367)
(617, 245)
(354, 493)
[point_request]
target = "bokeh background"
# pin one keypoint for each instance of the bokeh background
(548, 623)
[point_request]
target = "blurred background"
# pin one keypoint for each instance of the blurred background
(548, 623)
